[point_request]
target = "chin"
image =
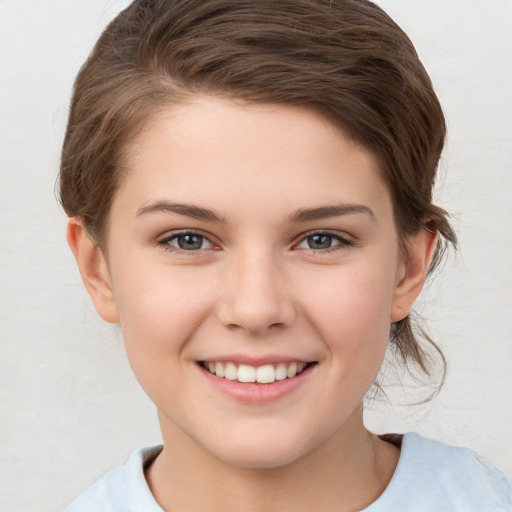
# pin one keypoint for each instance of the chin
(257, 451)
(258, 458)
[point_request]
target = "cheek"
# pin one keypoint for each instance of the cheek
(351, 309)
(160, 308)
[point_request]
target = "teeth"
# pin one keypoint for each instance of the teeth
(246, 373)
(219, 369)
(231, 372)
(292, 370)
(265, 374)
(281, 371)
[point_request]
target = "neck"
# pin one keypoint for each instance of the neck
(348, 472)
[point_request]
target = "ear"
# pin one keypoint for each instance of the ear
(413, 272)
(94, 270)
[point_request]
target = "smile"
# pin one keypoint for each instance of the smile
(265, 374)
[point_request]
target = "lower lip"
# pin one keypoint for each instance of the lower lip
(254, 393)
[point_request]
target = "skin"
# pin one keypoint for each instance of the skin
(255, 287)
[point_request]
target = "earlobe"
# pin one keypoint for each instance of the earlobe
(421, 247)
(93, 269)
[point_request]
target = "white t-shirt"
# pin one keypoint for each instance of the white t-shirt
(430, 477)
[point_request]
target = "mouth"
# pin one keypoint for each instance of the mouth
(265, 374)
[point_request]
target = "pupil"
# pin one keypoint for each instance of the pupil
(190, 242)
(320, 241)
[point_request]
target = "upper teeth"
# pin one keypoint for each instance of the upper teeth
(262, 374)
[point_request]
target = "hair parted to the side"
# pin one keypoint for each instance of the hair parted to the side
(345, 59)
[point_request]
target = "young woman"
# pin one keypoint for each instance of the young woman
(249, 186)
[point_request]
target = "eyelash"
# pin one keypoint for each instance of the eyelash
(343, 242)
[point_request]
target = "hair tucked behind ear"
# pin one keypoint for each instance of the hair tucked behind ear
(345, 59)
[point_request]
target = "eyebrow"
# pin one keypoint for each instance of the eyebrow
(325, 212)
(300, 215)
(189, 210)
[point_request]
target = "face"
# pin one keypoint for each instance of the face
(253, 243)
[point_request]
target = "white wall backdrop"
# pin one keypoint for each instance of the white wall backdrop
(69, 407)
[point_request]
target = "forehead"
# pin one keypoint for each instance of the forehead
(221, 153)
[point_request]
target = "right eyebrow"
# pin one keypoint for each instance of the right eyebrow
(188, 210)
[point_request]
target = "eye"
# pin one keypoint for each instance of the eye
(325, 242)
(186, 241)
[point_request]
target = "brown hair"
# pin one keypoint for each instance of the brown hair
(345, 59)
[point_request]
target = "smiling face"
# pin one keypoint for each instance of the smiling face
(252, 243)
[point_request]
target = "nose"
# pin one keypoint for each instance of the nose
(256, 295)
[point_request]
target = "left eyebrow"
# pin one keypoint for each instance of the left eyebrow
(325, 212)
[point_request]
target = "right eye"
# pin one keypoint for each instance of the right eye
(186, 241)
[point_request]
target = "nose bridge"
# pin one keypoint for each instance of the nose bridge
(255, 292)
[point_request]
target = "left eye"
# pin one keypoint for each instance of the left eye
(319, 241)
(188, 241)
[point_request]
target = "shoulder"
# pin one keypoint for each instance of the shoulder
(124, 489)
(433, 476)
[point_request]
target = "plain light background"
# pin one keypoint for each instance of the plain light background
(70, 408)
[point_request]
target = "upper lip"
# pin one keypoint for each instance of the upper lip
(255, 360)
